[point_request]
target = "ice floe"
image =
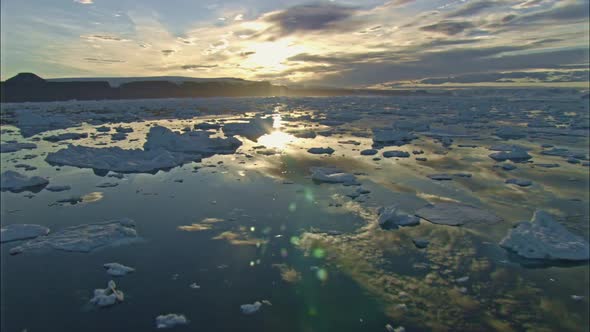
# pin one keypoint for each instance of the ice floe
(17, 182)
(84, 238)
(320, 150)
(118, 270)
(391, 217)
(396, 154)
(252, 129)
(55, 188)
(14, 147)
(108, 296)
(332, 175)
(545, 238)
(119, 160)
(16, 232)
(65, 136)
(519, 182)
(249, 309)
(170, 320)
(194, 142)
(516, 156)
(456, 214)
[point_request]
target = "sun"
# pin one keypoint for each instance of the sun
(276, 140)
(272, 55)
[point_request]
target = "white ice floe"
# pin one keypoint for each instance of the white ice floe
(320, 150)
(118, 160)
(84, 238)
(16, 232)
(396, 154)
(194, 142)
(108, 296)
(16, 182)
(332, 175)
(65, 136)
(388, 136)
(107, 184)
(14, 147)
(249, 309)
(170, 320)
(544, 238)
(512, 155)
(519, 182)
(392, 217)
(55, 188)
(252, 129)
(456, 214)
(440, 177)
(118, 270)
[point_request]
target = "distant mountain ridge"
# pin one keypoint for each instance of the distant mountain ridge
(117, 81)
(28, 87)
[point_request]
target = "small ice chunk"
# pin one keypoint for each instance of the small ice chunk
(546, 239)
(55, 188)
(508, 167)
(84, 238)
(456, 214)
(17, 182)
(513, 155)
(440, 177)
(107, 184)
(17, 232)
(170, 320)
(65, 136)
(391, 217)
(421, 243)
(519, 182)
(396, 154)
(14, 147)
(117, 270)
(462, 279)
(320, 150)
(369, 152)
(108, 296)
(249, 309)
(332, 175)
(103, 129)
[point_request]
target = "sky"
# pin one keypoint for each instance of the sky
(340, 43)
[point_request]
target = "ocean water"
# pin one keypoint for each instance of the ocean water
(266, 231)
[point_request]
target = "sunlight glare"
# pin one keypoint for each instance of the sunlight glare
(276, 140)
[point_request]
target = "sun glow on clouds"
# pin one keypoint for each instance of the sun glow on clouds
(272, 55)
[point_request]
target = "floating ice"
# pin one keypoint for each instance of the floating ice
(332, 175)
(513, 155)
(510, 133)
(17, 232)
(16, 182)
(321, 150)
(170, 320)
(55, 188)
(440, 177)
(252, 129)
(391, 217)
(107, 184)
(108, 296)
(249, 309)
(519, 182)
(117, 270)
(456, 214)
(196, 142)
(14, 147)
(396, 154)
(369, 152)
(544, 238)
(118, 160)
(384, 137)
(84, 238)
(421, 243)
(65, 136)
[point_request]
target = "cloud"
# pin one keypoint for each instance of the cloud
(310, 17)
(475, 7)
(551, 76)
(167, 52)
(103, 61)
(84, 2)
(196, 67)
(562, 11)
(448, 27)
(104, 38)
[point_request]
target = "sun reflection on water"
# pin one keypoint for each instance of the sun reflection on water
(277, 139)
